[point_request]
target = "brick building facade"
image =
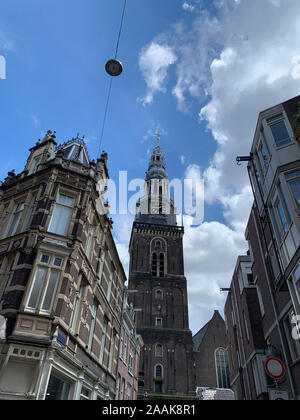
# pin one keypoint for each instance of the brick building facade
(61, 280)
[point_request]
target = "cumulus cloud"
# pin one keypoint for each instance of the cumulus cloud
(188, 7)
(210, 254)
(154, 61)
(233, 65)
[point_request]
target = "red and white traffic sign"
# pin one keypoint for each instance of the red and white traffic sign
(275, 367)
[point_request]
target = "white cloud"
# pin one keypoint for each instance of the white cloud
(188, 7)
(233, 65)
(210, 254)
(154, 61)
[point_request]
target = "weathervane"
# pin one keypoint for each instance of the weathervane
(157, 136)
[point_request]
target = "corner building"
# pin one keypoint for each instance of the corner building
(61, 279)
(157, 274)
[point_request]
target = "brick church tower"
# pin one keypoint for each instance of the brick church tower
(157, 273)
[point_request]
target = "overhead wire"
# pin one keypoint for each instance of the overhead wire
(111, 79)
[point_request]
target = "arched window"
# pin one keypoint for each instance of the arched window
(158, 295)
(154, 264)
(158, 350)
(157, 244)
(222, 368)
(158, 372)
(161, 265)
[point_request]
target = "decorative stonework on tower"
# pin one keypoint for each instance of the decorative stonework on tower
(157, 273)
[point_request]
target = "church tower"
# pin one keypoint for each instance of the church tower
(157, 274)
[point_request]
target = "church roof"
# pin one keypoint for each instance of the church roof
(199, 336)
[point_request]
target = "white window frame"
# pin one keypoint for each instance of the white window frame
(48, 267)
(276, 119)
(93, 323)
(289, 178)
(103, 340)
(90, 240)
(63, 206)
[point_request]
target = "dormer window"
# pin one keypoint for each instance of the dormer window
(34, 166)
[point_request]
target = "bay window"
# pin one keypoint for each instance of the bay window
(44, 285)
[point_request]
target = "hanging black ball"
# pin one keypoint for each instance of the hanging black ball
(114, 67)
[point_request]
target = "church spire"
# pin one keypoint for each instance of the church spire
(156, 206)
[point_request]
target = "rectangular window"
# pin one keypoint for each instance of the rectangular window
(279, 130)
(76, 309)
(85, 394)
(125, 348)
(58, 389)
(93, 321)
(281, 213)
(103, 341)
(15, 219)
(111, 352)
(158, 322)
(128, 392)
(122, 389)
(34, 166)
(264, 156)
(5, 275)
(130, 363)
(101, 264)
(89, 241)
(44, 285)
(293, 180)
(61, 215)
(260, 300)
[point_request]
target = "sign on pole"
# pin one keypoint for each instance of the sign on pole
(275, 395)
(274, 367)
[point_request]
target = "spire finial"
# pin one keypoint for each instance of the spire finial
(157, 136)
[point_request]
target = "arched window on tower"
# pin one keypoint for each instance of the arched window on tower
(158, 295)
(222, 368)
(158, 350)
(158, 379)
(161, 265)
(154, 264)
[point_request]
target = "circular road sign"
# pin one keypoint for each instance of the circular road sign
(274, 367)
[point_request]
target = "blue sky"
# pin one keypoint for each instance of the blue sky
(200, 71)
